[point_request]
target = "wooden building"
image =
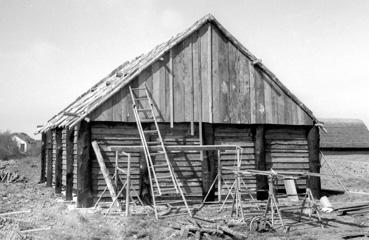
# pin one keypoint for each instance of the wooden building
(344, 137)
(208, 89)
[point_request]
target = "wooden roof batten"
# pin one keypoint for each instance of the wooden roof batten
(122, 75)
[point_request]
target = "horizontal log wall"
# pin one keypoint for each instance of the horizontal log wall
(236, 135)
(64, 156)
(233, 89)
(287, 150)
(187, 165)
(75, 162)
(114, 135)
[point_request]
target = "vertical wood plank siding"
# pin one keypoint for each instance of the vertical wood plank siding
(234, 90)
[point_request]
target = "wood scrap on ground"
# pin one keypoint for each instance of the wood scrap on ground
(11, 177)
(208, 229)
(353, 209)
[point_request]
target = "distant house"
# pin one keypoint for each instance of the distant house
(24, 142)
(344, 136)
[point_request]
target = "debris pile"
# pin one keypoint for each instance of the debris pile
(11, 177)
(210, 228)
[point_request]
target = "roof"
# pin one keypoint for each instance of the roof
(122, 75)
(24, 137)
(344, 133)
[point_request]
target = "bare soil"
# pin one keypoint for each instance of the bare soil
(61, 220)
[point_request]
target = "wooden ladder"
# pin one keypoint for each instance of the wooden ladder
(163, 180)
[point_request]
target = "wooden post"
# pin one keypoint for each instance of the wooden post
(261, 181)
(70, 164)
(58, 161)
(210, 163)
(171, 89)
(43, 158)
(128, 189)
(314, 161)
(49, 151)
(219, 177)
(84, 195)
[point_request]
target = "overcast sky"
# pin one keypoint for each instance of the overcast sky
(52, 51)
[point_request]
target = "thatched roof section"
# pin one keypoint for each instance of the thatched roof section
(122, 75)
(344, 133)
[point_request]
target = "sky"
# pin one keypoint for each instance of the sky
(51, 51)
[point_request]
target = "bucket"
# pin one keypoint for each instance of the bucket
(324, 202)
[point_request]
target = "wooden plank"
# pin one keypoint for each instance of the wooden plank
(171, 87)
(259, 97)
(169, 148)
(116, 106)
(220, 77)
(156, 82)
(210, 75)
(234, 84)
(58, 161)
(269, 117)
(204, 67)
(253, 101)
(288, 119)
(196, 75)
(84, 196)
(182, 67)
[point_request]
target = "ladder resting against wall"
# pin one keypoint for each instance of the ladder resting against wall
(163, 180)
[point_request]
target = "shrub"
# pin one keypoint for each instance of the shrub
(8, 148)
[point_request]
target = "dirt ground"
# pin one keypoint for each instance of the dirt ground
(57, 219)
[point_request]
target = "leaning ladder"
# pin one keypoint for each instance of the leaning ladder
(142, 103)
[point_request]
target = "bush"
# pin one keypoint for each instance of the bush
(8, 148)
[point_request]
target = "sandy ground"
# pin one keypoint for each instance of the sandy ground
(61, 220)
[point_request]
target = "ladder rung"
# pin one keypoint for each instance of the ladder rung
(141, 98)
(138, 89)
(147, 120)
(165, 176)
(153, 143)
(160, 165)
(144, 110)
(166, 191)
(150, 131)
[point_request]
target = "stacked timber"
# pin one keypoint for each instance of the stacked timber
(108, 135)
(64, 156)
(53, 140)
(236, 135)
(75, 156)
(187, 165)
(287, 150)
